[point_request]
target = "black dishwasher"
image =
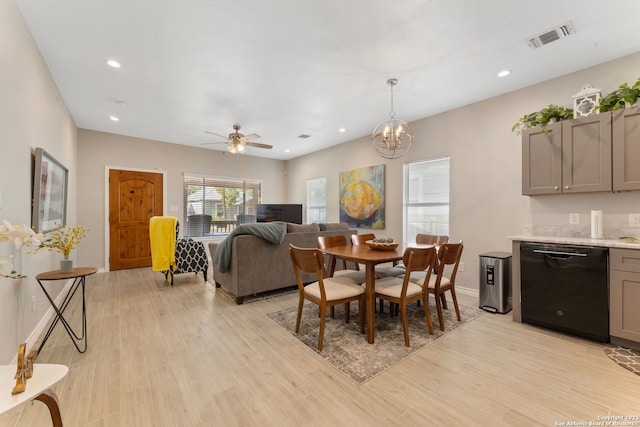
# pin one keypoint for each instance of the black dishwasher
(566, 288)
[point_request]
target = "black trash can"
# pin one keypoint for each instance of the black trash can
(495, 282)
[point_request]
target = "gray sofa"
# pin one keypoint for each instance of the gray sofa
(259, 266)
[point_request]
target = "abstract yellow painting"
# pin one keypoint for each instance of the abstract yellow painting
(362, 197)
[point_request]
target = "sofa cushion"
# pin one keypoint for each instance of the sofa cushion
(334, 226)
(302, 228)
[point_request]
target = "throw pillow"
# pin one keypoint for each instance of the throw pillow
(301, 228)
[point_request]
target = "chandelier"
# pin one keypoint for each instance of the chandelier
(392, 138)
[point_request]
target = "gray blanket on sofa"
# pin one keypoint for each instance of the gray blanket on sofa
(272, 232)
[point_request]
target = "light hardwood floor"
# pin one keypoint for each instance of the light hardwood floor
(188, 356)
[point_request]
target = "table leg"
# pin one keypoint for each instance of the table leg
(78, 282)
(371, 301)
(49, 398)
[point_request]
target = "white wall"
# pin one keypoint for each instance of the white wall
(32, 114)
(486, 204)
(486, 201)
(98, 150)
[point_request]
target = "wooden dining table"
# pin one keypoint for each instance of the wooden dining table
(362, 254)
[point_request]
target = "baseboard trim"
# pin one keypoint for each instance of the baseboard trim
(468, 291)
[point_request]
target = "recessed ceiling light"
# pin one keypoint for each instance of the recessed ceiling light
(114, 119)
(342, 130)
(287, 151)
(504, 73)
(113, 63)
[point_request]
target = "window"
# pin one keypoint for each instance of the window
(317, 200)
(426, 198)
(213, 206)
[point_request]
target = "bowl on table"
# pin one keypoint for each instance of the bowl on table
(379, 246)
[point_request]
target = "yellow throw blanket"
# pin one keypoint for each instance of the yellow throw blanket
(162, 236)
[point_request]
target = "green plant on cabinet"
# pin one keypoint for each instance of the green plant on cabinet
(624, 96)
(549, 114)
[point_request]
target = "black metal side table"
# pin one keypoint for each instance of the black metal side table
(79, 278)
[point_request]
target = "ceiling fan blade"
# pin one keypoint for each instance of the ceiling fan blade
(214, 143)
(216, 134)
(251, 137)
(258, 145)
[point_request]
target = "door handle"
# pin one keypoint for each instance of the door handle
(540, 251)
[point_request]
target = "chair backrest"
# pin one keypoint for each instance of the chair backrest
(418, 259)
(431, 239)
(308, 260)
(325, 242)
(449, 254)
(359, 239)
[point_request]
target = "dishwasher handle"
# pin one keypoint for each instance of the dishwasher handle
(557, 254)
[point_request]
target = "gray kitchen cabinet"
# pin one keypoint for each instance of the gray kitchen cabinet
(624, 297)
(573, 156)
(542, 160)
(626, 149)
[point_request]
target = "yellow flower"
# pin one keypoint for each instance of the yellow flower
(64, 239)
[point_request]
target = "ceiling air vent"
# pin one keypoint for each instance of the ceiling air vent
(550, 36)
(304, 136)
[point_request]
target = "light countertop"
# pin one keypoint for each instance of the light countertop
(607, 243)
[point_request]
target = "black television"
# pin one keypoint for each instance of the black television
(280, 212)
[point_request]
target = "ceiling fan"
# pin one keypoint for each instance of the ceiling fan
(236, 141)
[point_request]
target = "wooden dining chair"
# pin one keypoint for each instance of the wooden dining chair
(353, 275)
(401, 291)
(449, 255)
(431, 239)
(381, 270)
(326, 291)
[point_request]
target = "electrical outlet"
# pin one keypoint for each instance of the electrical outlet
(461, 266)
(574, 218)
(634, 220)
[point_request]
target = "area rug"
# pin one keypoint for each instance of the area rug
(628, 359)
(347, 350)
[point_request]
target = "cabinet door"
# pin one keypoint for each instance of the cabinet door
(624, 316)
(542, 160)
(586, 154)
(626, 149)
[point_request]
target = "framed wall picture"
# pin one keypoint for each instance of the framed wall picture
(50, 180)
(362, 197)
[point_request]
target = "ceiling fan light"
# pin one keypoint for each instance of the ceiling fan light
(240, 147)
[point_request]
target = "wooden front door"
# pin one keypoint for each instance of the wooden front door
(134, 197)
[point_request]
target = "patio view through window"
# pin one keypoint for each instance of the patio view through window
(214, 206)
(426, 198)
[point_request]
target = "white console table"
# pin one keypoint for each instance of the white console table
(37, 387)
